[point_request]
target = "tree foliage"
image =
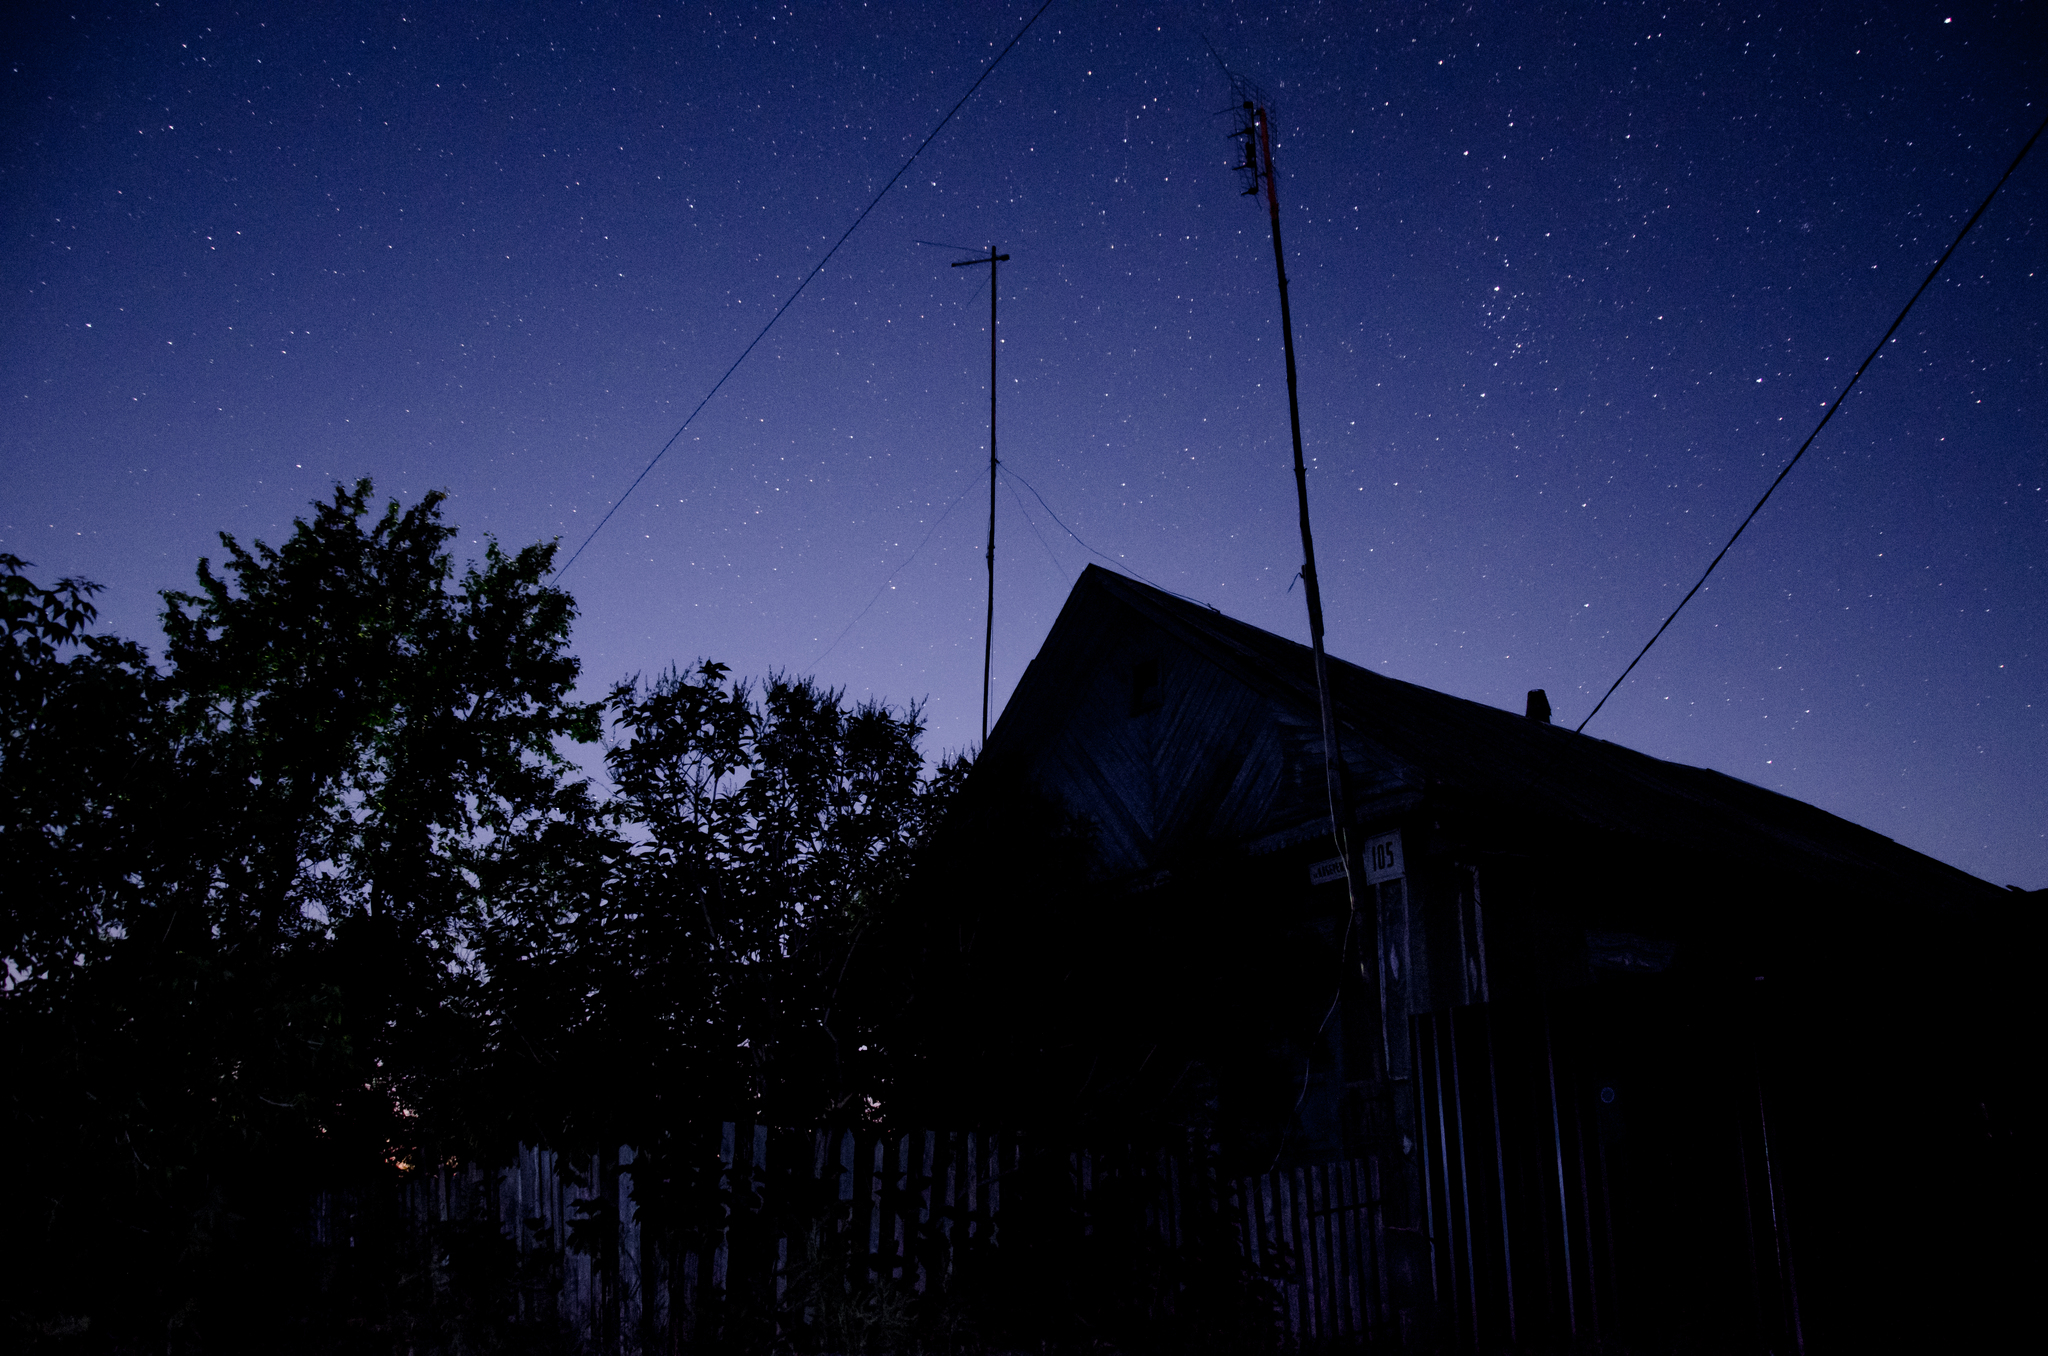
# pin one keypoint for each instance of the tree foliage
(752, 837)
(243, 891)
(321, 897)
(83, 739)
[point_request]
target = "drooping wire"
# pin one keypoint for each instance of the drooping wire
(1308, 1065)
(1032, 523)
(1111, 560)
(971, 486)
(900, 567)
(876, 202)
(1981, 207)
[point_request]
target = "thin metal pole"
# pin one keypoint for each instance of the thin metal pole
(1340, 806)
(1464, 1176)
(988, 641)
(1781, 1239)
(1564, 1210)
(1593, 1237)
(1500, 1173)
(1427, 1092)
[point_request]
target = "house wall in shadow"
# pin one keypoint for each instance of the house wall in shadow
(1702, 1056)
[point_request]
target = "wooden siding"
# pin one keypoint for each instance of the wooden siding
(1219, 758)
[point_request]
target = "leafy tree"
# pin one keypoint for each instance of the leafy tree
(319, 897)
(376, 728)
(245, 895)
(82, 763)
(757, 834)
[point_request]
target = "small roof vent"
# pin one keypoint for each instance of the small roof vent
(1539, 705)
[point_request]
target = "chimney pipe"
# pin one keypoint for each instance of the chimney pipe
(1539, 705)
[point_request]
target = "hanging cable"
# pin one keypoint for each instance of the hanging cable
(1029, 522)
(620, 501)
(1111, 560)
(900, 567)
(1823, 420)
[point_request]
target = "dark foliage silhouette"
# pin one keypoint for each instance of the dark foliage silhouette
(318, 901)
(243, 892)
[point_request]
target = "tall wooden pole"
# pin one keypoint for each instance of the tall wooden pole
(988, 639)
(1333, 766)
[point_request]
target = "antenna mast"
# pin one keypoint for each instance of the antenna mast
(1255, 129)
(988, 640)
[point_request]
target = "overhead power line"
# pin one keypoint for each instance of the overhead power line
(1823, 420)
(818, 268)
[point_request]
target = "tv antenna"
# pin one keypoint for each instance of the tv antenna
(988, 642)
(1254, 129)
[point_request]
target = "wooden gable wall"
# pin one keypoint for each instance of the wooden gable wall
(1143, 728)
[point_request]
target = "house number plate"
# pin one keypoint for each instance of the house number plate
(1382, 862)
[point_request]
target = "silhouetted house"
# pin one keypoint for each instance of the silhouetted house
(1631, 1049)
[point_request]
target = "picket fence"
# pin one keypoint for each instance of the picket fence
(767, 1225)
(1318, 1234)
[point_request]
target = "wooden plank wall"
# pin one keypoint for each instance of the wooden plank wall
(1599, 1166)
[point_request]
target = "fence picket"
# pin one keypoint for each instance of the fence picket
(911, 1205)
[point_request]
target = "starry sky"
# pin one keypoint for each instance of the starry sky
(1570, 282)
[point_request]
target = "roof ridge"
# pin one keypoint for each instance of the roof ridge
(1584, 777)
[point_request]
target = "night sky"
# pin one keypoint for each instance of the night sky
(1571, 283)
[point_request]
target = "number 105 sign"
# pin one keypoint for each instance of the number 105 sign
(1382, 862)
(1383, 858)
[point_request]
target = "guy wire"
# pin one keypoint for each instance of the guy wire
(901, 566)
(1032, 523)
(1111, 560)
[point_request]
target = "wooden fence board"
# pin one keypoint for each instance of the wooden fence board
(903, 1209)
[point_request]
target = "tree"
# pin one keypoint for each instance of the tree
(82, 744)
(246, 893)
(319, 898)
(757, 836)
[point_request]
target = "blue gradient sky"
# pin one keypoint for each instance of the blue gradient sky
(1571, 282)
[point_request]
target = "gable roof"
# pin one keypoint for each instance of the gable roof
(1254, 698)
